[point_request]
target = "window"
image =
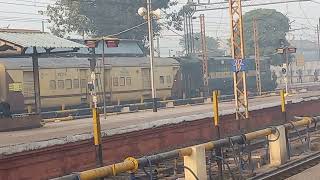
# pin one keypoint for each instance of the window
(169, 79)
(52, 84)
(76, 83)
(115, 81)
(122, 81)
(60, 84)
(83, 83)
(161, 79)
(68, 84)
(128, 81)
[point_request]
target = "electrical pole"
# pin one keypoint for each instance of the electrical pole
(257, 54)
(204, 54)
(150, 30)
(237, 47)
(158, 46)
(104, 81)
(95, 113)
(318, 38)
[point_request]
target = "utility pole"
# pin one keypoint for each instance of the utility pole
(318, 38)
(257, 54)
(237, 48)
(150, 30)
(158, 46)
(94, 107)
(42, 23)
(204, 54)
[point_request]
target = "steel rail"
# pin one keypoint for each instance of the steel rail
(290, 168)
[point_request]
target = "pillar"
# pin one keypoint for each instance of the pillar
(278, 147)
(197, 164)
(36, 80)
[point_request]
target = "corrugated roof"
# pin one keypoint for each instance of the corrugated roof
(128, 47)
(53, 62)
(38, 39)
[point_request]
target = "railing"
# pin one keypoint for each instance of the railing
(194, 157)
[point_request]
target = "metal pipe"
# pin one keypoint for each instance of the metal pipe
(303, 122)
(259, 134)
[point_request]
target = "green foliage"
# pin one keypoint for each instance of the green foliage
(101, 17)
(212, 45)
(272, 27)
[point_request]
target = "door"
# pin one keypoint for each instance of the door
(83, 85)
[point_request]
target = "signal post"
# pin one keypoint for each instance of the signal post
(92, 44)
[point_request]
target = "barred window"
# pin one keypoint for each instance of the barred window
(115, 81)
(60, 84)
(128, 81)
(83, 83)
(52, 85)
(68, 84)
(75, 83)
(161, 79)
(122, 81)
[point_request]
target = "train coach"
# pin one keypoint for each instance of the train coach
(220, 76)
(63, 81)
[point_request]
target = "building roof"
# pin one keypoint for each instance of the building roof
(37, 39)
(54, 62)
(126, 47)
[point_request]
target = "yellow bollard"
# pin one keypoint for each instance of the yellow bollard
(215, 108)
(97, 136)
(283, 101)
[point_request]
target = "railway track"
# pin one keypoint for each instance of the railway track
(291, 168)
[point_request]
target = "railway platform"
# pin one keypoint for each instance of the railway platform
(65, 147)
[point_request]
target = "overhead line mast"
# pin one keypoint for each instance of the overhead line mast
(257, 55)
(237, 48)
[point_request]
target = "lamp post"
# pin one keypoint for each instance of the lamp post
(148, 15)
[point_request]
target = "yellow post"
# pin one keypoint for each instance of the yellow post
(96, 126)
(215, 108)
(215, 95)
(283, 101)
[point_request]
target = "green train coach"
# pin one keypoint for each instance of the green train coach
(220, 76)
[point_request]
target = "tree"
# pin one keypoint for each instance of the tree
(212, 45)
(101, 17)
(272, 26)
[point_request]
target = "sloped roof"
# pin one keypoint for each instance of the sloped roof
(37, 39)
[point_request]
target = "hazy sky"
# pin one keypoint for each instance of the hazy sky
(24, 14)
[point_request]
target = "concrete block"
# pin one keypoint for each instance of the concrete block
(125, 109)
(197, 164)
(170, 104)
(278, 147)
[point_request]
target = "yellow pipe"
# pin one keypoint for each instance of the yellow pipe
(258, 134)
(303, 122)
(185, 152)
(129, 164)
